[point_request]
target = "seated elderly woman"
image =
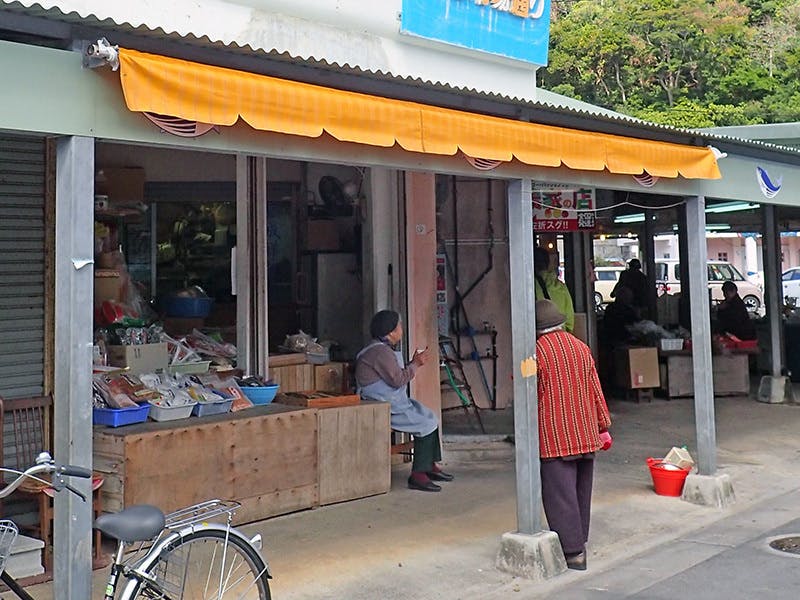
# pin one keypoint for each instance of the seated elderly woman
(381, 374)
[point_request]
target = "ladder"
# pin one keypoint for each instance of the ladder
(454, 379)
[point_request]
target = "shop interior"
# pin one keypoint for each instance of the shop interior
(165, 228)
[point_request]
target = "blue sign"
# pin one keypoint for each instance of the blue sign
(518, 29)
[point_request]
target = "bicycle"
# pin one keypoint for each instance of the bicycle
(182, 555)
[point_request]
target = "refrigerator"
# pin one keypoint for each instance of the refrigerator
(331, 299)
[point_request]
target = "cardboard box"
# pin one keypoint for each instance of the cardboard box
(121, 185)
(142, 358)
(637, 368)
(108, 285)
(323, 234)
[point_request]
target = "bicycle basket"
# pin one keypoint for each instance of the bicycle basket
(8, 533)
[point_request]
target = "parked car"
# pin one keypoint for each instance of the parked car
(668, 277)
(791, 284)
(606, 279)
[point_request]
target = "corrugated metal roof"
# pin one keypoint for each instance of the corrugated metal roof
(548, 107)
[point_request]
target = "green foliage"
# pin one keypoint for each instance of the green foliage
(687, 63)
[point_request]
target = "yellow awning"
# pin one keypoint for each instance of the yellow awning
(219, 96)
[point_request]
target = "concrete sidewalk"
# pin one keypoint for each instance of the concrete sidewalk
(413, 544)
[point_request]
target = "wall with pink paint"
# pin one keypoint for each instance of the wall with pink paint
(421, 331)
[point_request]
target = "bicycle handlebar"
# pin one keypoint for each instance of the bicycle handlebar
(46, 466)
(73, 471)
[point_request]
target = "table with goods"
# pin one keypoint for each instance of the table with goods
(175, 423)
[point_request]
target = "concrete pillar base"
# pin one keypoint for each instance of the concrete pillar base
(775, 390)
(709, 490)
(537, 557)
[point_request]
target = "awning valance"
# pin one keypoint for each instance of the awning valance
(220, 96)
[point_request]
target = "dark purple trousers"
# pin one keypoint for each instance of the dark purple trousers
(567, 499)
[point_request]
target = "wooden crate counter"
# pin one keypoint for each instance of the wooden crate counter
(264, 457)
(274, 459)
(354, 451)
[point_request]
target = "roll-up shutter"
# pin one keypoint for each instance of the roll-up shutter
(22, 265)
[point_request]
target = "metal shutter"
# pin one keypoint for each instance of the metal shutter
(22, 265)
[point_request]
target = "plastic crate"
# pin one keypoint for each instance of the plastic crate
(190, 368)
(117, 417)
(171, 413)
(672, 344)
(203, 409)
(260, 394)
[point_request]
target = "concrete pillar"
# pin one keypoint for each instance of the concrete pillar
(72, 418)
(421, 327)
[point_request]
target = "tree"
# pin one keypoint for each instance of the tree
(691, 63)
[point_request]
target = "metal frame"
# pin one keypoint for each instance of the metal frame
(523, 319)
(74, 251)
(701, 335)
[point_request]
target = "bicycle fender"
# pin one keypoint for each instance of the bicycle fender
(157, 550)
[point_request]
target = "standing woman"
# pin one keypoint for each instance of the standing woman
(381, 374)
(573, 425)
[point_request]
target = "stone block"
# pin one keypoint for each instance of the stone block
(709, 490)
(537, 557)
(775, 390)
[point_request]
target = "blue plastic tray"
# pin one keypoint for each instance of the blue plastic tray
(260, 394)
(201, 409)
(117, 417)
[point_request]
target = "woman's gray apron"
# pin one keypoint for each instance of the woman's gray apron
(408, 415)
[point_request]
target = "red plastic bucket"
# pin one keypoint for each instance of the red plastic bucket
(667, 480)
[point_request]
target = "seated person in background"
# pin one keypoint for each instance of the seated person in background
(732, 314)
(382, 375)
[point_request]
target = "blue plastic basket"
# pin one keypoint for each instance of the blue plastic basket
(202, 409)
(117, 417)
(180, 306)
(261, 394)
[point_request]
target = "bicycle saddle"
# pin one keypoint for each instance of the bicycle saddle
(138, 523)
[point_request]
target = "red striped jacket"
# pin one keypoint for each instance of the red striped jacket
(572, 409)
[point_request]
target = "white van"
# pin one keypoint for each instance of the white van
(605, 280)
(668, 279)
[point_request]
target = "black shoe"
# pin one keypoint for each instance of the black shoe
(577, 562)
(425, 486)
(440, 476)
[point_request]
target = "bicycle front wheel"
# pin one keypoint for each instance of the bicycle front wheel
(202, 565)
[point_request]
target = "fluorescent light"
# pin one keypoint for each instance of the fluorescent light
(711, 227)
(725, 207)
(634, 218)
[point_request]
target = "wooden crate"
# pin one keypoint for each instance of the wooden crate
(293, 378)
(264, 457)
(354, 457)
(329, 377)
(316, 399)
(730, 373)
